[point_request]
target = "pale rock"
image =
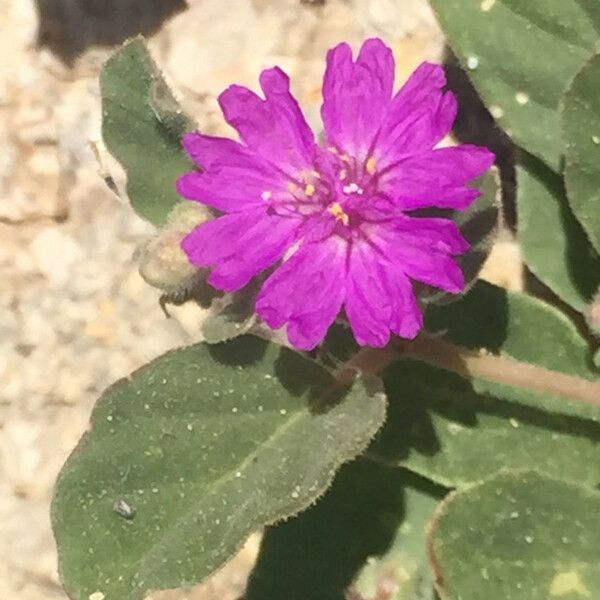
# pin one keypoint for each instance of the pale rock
(392, 19)
(190, 317)
(56, 254)
(504, 265)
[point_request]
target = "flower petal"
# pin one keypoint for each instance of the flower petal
(239, 246)
(356, 95)
(275, 127)
(306, 292)
(437, 178)
(417, 256)
(233, 177)
(420, 115)
(379, 298)
(434, 234)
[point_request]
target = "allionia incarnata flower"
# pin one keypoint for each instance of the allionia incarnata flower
(338, 214)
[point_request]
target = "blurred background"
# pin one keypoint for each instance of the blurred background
(74, 313)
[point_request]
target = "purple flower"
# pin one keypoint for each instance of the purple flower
(337, 213)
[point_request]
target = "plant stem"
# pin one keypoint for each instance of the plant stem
(469, 364)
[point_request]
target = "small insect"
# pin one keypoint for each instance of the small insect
(165, 266)
(124, 509)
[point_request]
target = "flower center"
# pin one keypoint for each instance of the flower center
(338, 212)
(353, 188)
(338, 185)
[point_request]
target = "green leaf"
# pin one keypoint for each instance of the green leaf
(518, 326)
(192, 453)
(142, 126)
(403, 569)
(521, 56)
(372, 514)
(554, 245)
(441, 427)
(581, 132)
(525, 537)
(455, 430)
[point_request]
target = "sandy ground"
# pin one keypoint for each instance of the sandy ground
(74, 313)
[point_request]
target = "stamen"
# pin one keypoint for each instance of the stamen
(343, 174)
(371, 165)
(309, 190)
(332, 149)
(292, 187)
(352, 188)
(266, 195)
(338, 212)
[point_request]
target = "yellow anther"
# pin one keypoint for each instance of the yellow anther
(292, 187)
(266, 195)
(345, 158)
(371, 165)
(343, 174)
(332, 149)
(338, 212)
(309, 190)
(306, 175)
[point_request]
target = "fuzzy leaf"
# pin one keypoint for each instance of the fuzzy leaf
(192, 453)
(521, 56)
(525, 537)
(372, 514)
(141, 127)
(554, 245)
(456, 430)
(581, 131)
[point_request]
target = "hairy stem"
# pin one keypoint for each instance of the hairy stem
(468, 364)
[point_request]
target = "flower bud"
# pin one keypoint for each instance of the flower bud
(165, 266)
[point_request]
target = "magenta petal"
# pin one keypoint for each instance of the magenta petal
(356, 96)
(437, 178)
(434, 268)
(233, 177)
(379, 299)
(433, 234)
(306, 292)
(239, 246)
(420, 115)
(274, 127)
(415, 251)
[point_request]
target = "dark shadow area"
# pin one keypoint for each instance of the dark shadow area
(584, 274)
(196, 290)
(317, 555)
(475, 125)
(242, 351)
(300, 375)
(338, 347)
(477, 320)
(69, 27)
(418, 392)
